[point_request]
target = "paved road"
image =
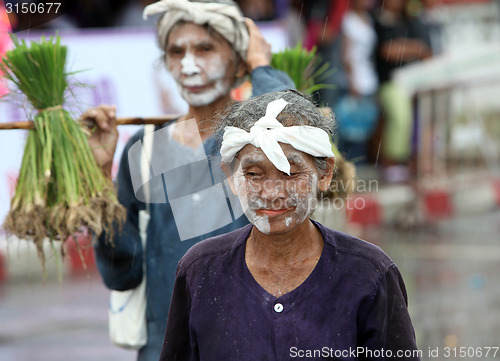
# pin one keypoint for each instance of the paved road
(451, 271)
(56, 321)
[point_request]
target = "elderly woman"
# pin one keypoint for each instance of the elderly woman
(285, 287)
(208, 48)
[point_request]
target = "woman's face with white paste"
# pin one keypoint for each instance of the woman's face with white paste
(202, 63)
(274, 201)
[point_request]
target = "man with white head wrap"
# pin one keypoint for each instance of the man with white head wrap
(194, 36)
(225, 18)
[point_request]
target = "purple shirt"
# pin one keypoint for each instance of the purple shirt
(352, 306)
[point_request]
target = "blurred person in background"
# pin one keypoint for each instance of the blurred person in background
(402, 39)
(294, 20)
(357, 110)
(427, 12)
(258, 10)
(94, 13)
(323, 24)
(208, 50)
(130, 14)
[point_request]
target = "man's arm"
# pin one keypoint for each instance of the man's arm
(120, 261)
(265, 79)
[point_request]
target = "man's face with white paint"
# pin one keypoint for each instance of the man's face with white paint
(202, 64)
(273, 201)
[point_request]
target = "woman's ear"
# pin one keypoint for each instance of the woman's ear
(326, 177)
(226, 168)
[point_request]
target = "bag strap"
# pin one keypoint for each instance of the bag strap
(147, 148)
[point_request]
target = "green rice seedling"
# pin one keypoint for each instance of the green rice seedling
(61, 190)
(305, 67)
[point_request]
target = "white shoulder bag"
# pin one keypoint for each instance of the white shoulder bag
(127, 309)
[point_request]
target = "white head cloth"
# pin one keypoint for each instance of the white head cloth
(225, 19)
(268, 131)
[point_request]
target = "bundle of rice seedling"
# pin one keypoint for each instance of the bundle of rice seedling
(60, 190)
(305, 67)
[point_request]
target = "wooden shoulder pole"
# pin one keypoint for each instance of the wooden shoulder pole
(119, 121)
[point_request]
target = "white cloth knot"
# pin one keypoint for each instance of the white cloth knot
(225, 19)
(266, 134)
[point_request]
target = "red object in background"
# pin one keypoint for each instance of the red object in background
(3, 269)
(4, 28)
(80, 254)
(438, 204)
(321, 29)
(243, 92)
(496, 186)
(5, 42)
(364, 210)
(12, 181)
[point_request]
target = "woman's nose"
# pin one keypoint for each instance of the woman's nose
(273, 189)
(189, 66)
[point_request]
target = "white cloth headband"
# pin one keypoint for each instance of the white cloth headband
(225, 19)
(268, 131)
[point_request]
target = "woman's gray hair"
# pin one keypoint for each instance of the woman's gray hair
(300, 111)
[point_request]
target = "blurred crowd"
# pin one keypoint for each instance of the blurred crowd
(362, 40)
(365, 41)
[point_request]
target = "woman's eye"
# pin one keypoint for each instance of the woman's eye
(175, 51)
(206, 48)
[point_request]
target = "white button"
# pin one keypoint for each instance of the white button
(196, 197)
(278, 307)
